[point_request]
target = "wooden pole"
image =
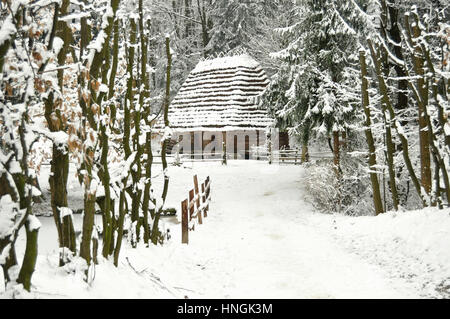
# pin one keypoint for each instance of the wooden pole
(192, 145)
(224, 153)
(205, 214)
(191, 207)
(208, 188)
(184, 223)
(201, 143)
(235, 146)
(269, 151)
(224, 148)
(197, 200)
(257, 145)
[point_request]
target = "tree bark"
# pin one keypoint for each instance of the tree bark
(155, 231)
(10, 260)
(88, 225)
(60, 156)
(30, 257)
(122, 203)
(305, 154)
(384, 92)
(143, 96)
(378, 205)
(336, 150)
(58, 189)
(136, 172)
(422, 88)
(420, 56)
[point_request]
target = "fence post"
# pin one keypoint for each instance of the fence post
(224, 154)
(184, 223)
(208, 189)
(270, 151)
(257, 145)
(197, 200)
(191, 208)
(177, 159)
(205, 214)
(192, 145)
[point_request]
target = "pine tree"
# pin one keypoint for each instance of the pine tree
(320, 44)
(237, 23)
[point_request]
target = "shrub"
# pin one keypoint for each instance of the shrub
(351, 195)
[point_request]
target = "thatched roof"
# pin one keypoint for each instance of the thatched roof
(220, 94)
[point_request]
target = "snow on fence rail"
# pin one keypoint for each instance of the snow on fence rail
(199, 157)
(259, 153)
(287, 156)
(196, 207)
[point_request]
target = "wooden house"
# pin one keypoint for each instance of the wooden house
(219, 100)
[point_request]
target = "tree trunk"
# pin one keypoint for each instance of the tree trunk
(390, 30)
(384, 92)
(438, 157)
(136, 172)
(60, 156)
(88, 225)
(336, 150)
(204, 22)
(390, 149)
(414, 33)
(378, 205)
(122, 202)
(58, 189)
(30, 257)
(147, 113)
(394, 34)
(105, 178)
(103, 172)
(424, 138)
(337, 169)
(305, 154)
(155, 231)
(10, 260)
(146, 199)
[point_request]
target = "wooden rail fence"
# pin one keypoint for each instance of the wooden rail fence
(196, 207)
(286, 156)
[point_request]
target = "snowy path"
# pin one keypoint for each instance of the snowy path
(260, 242)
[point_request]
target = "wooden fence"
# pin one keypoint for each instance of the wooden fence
(201, 157)
(261, 153)
(286, 156)
(196, 208)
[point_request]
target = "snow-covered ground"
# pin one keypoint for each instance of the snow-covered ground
(262, 240)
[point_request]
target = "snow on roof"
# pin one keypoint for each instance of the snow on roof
(221, 94)
(225, 62)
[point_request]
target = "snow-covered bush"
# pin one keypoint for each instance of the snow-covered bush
(320, 181)
(350, 196)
